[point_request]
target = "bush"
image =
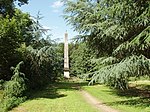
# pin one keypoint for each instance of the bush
(9, 103)
(14, 90)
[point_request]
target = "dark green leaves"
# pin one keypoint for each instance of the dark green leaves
(117, 30)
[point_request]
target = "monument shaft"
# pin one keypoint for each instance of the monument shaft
(66, 57)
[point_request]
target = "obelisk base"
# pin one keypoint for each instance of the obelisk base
(66, 74)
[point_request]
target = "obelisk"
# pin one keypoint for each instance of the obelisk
(66, 58)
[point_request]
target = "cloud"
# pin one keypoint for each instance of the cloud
(57, 4)
(46, 27)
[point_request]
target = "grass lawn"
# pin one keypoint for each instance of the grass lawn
(136, 99)
(1, 94)
(61, 97)
(65, 97)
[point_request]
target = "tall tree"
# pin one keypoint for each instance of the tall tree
(119, 30)
(13, 33)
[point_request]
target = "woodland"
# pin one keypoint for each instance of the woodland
(113, 47)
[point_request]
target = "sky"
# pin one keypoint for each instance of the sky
(51, 11)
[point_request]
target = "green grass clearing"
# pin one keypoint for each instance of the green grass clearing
(136, 99)
(65, 97)
(61, 97)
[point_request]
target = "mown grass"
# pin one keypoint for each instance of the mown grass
(136, 99)
(1, 94)
(60, 97)
(65, 97)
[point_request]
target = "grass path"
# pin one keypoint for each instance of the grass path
(97, 103)
(136, 99)
(62, 97)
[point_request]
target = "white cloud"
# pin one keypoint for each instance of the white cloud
(57, 4)
(46, 27)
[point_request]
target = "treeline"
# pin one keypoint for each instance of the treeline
(27, 60)
(115, 37)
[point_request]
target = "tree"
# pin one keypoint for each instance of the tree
(14, 91)
(80, 60)
(115, 29)
(42, 65)
(8, 6)
(13, 33)
(21, 39)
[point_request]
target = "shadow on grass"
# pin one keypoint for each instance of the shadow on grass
(135, 96)
(137, 102)
(135, 92)
(52, 91)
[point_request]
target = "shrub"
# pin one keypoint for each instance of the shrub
(9, 103)
(14, 90)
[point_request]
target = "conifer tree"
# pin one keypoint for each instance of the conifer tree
(119, 29)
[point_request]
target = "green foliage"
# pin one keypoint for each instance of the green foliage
(14, 89)
(16, 86)
(21, 39)
(118, 74)
(11, 102)
(107, 24)
(103, 61)
(138, 45)
(13, 32)
(117, 30)
(80, 60)
(42, 65)
(24, 38)
(1, 84)
(8, 6)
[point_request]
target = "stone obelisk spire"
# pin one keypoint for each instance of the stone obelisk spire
(66, 58)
